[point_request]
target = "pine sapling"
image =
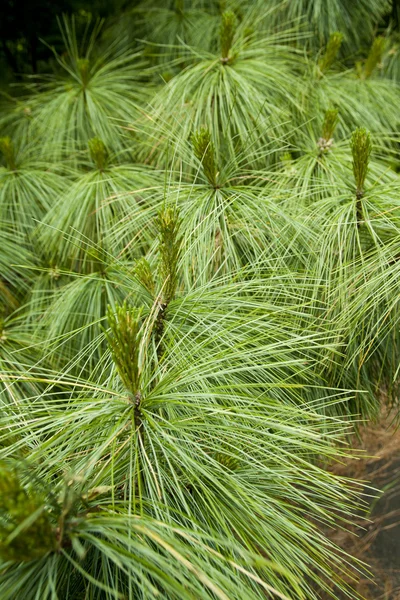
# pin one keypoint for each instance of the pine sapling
(98, 153)
(361, 150)
(204, 151)
(227, 33)
(332, 49)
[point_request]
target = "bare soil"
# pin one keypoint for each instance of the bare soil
(377, 541)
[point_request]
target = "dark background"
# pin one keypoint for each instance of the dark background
(25, 23)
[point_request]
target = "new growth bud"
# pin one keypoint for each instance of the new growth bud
(332, 49)
(169, 252)
(374, 56)
(145, 275)
(361, 150)
(229, 462)
(204, 151)
(179, 7)
(325, 142)
(83, 68)
(227, 33)
(124, 340)
(98, 153)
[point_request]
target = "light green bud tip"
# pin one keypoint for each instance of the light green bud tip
(124, 340)
(227, 33)
(98, 152)
(332, 49)
(374, 56)
(204, 151)
(169, 248)
(83, 68)
(361, 149)
(325, 142)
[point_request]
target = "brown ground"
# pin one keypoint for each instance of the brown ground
(378, 543)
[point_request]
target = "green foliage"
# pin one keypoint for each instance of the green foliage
(175, 474)
(245, 102)
(90, 94)
(29, 189)
(198, 299)
(74, 231)
(356, 20)
(26, 531)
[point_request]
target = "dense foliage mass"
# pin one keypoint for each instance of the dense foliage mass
(199, 266)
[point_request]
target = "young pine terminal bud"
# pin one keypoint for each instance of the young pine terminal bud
(361, 150)
(204, 151)
(83, 68)
(325, 142)
(374, 56)
(179, 7)
(145, 275)
(227, 33)
(98, 153)
(169, 249)
(332, 49)
(229, 462)
(124, 340)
